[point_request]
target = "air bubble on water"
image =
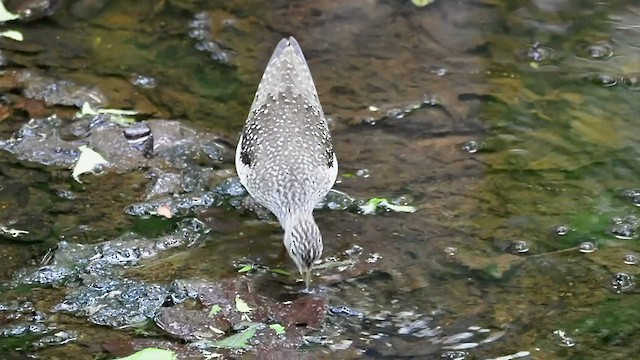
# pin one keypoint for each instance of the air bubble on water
(537, 53)
(373, 258)
(587, 247)
(363, 173)
(431, 100)
(616, 220)
(623, 231)
(630, 259)
(631, 193)
(353, 251)
(471, 147)
(604, 79)
(438, 70)
(143, 81)
(454, 355)
(601, 50)
(198, 34)
(450, 250)
(565, 341)
(636, 200)
(519, 247)
(622, 282)
(563, 230)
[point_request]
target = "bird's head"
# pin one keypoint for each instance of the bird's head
(303, 241)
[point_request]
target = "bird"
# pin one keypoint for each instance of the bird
(285, 156)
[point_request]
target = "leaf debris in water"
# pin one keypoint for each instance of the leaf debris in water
(87, 162)
(5, 15)
(122, 117)
(152, 354)
(235, 341)
(422, 3)
(242, 307)
(381, 203)
(245, 268)
(215, 309)
(281, 272)
(12, 34)
(279, 329)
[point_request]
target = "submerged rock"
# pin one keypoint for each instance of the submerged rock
(69, 262)
(33, 9)
(227, 307)
(126, 146)
(114, 302)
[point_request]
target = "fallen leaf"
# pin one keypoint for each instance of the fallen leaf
(245, 268)
(12, 34)
(421, 3)
(239, 340)
(281, 272)
(152, 354)
(5, 15)
(215, 309)
(370, 207)
(242, 307)
(164, 210)
(279, 329)
(87, 162)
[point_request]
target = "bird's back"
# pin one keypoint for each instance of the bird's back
(285, 156)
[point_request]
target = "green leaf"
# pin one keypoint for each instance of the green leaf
(5, 15)
(281, 272)
(87, 162)
(421, 3)
(239, 340)
(215, 309)
(12, 34)
(245, 268)
(381, 203)
(399, 208)
(279, 329)
(152, 354)
(242, 306)
(122, 117)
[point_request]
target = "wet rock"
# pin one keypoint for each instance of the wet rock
(159, 143)
(222, 314)
(114, 302)
(193, 324)
(21, 321)
(163, 183)
(345, 311)
(30, 10)
(58, 92)
(71, 261)
(59, 338)
(181, 205)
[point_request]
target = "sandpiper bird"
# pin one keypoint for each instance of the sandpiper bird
(285, 157)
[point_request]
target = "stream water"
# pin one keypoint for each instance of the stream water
(511, 127)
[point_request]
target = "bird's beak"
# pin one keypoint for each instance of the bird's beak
(307, 279)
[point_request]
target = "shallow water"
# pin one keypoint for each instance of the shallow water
(510, 125)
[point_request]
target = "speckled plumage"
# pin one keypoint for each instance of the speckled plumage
(285, 156)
